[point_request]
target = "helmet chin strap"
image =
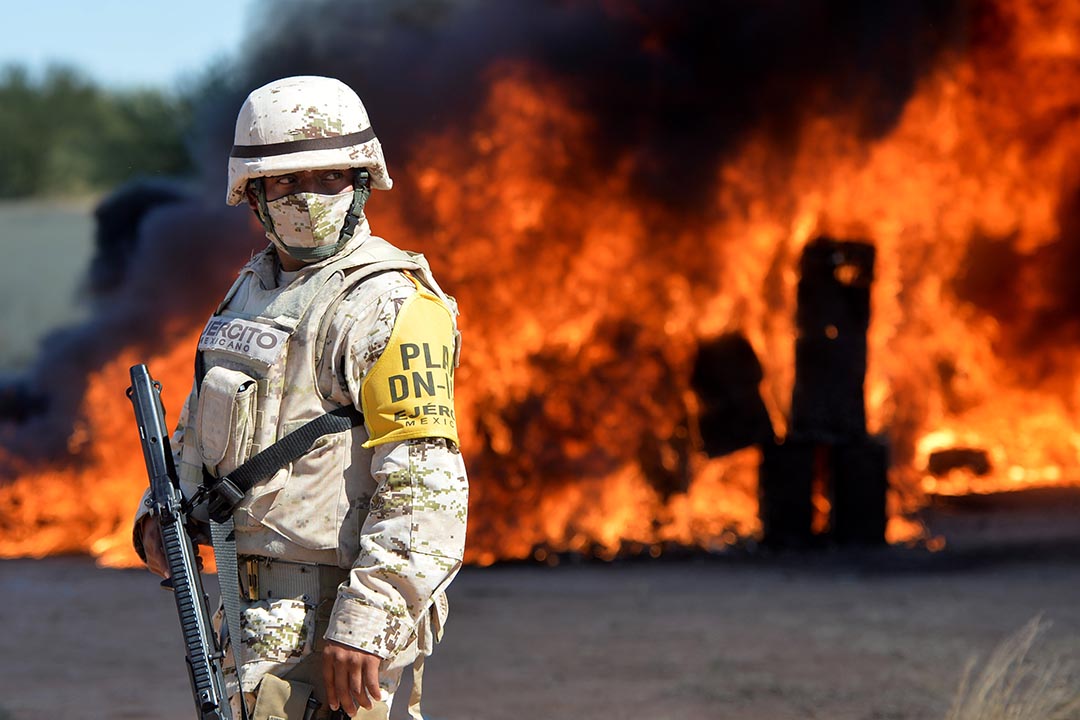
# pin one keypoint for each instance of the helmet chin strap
(361, 193)
(262, 211)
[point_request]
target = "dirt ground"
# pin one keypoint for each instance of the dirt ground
(880, 636)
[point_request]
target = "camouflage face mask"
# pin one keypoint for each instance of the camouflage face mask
(308, 225)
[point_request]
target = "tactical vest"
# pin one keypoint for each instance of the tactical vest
(260, 357)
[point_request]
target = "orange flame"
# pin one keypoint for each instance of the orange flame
(582, 309)
(88, 505)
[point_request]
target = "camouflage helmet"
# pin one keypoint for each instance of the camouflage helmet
(303, 123)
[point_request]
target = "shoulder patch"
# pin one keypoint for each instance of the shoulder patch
(409, 391)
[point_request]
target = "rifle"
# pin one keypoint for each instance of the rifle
(203, 654)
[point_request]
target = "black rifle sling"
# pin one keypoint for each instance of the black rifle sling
(226, 492)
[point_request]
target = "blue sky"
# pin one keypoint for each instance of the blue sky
(124, 43)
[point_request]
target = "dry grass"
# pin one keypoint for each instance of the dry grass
(1023, 679)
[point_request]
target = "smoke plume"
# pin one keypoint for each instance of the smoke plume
(676, 84)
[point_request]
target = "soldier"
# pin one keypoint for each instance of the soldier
(343, 554)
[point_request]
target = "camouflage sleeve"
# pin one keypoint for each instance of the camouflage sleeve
(413, 539)
(411, 545)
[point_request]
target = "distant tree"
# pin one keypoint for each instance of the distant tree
(63, 135)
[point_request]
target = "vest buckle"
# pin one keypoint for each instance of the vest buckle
(224, 496)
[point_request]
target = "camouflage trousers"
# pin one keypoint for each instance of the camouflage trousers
(305, 664)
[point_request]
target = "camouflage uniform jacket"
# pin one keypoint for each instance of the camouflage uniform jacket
(393, 511)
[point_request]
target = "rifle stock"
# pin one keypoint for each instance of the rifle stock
(203, 654)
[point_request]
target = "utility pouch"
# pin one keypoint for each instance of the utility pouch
(225, 423)
(279, 699)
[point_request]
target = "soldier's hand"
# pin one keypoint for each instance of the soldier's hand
(151, 541)
(351, 677)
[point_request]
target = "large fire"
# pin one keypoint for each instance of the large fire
(581, 320)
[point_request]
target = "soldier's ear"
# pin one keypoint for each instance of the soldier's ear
(253, 202)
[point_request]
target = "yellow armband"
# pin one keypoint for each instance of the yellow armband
(409, 391)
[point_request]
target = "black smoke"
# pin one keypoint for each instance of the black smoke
(162, 258)
(678, 84)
